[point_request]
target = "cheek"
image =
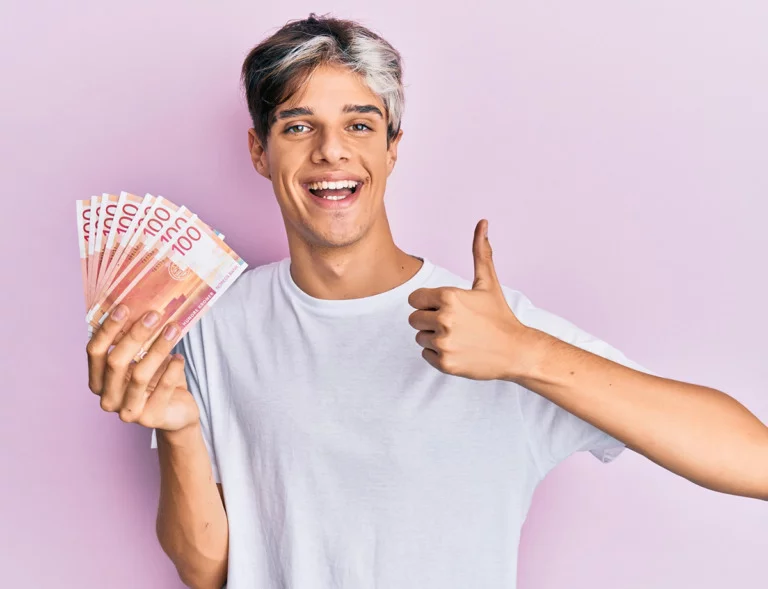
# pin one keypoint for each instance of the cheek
(376, 163)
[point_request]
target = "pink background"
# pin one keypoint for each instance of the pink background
(618, 149)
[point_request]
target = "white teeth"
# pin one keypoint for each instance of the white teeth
(332, 185)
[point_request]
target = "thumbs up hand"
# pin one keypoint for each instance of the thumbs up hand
(471, 333)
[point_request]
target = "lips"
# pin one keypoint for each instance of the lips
(334, 193)
(350, 197)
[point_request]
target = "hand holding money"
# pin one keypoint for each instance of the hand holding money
(150, 254)
(152, 392)
(150, 270)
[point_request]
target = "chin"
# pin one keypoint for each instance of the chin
(329, 238)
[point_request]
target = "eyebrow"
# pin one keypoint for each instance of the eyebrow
(299, 111)
(305, 111)
(362, 109)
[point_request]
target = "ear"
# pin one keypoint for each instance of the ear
(258, 154)
(392, 152)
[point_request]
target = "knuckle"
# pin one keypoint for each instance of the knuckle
(145, 420)
(174, 369)
(137, 335)
(447, 296)
(446, 363)
(132, 413)
(139, 377)
(95, 346)
(114, 362)
(108, 405)
(443, 343)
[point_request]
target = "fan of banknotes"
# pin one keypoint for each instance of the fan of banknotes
(150, 254)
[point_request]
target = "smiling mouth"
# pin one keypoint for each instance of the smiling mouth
(335, 193)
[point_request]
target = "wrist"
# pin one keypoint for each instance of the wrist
(180, 438)
(531, 350)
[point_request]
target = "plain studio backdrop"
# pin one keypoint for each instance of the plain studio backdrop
(619, 150)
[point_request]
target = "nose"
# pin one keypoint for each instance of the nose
(331, 147)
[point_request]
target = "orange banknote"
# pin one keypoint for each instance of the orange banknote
(148, 253)
(129, 213)
(184, 279)
(83, 236)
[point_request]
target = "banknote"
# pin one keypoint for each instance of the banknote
(127, 217)
(155, 217)
(110, 228)
(161, 224)
(188, 274)
(95, 204)
(150, 253)
(144, 222)
(83, 235)
(135, 242)
(106, 215)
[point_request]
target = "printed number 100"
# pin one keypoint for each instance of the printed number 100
(184, 243)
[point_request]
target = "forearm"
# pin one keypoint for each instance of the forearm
(192, 524)
(697, 432)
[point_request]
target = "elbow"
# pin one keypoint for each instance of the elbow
(761, 487)
(210, 575)
(208, 582)
(762, 466)
(196, 569)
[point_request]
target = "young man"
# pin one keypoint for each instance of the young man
(354, 416)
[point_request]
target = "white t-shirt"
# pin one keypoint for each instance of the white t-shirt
(347, 461)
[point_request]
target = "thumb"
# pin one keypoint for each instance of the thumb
(485, 272)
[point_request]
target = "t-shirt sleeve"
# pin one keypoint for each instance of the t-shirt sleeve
(191, 347)
(554, 433)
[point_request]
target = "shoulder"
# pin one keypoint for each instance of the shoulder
(521, 306)
(238, 305)
(255, 284)
(440, 276)
(542, 319)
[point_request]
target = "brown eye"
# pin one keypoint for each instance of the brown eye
(360, 127)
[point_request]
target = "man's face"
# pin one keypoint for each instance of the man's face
(333, 129)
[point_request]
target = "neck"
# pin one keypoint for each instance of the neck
(372, 265)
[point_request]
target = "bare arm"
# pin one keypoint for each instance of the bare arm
(694, 431)
(192, 524)
(697, 432)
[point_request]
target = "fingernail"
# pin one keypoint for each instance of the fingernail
(120, 313)
(170, 332)
(150, 319)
